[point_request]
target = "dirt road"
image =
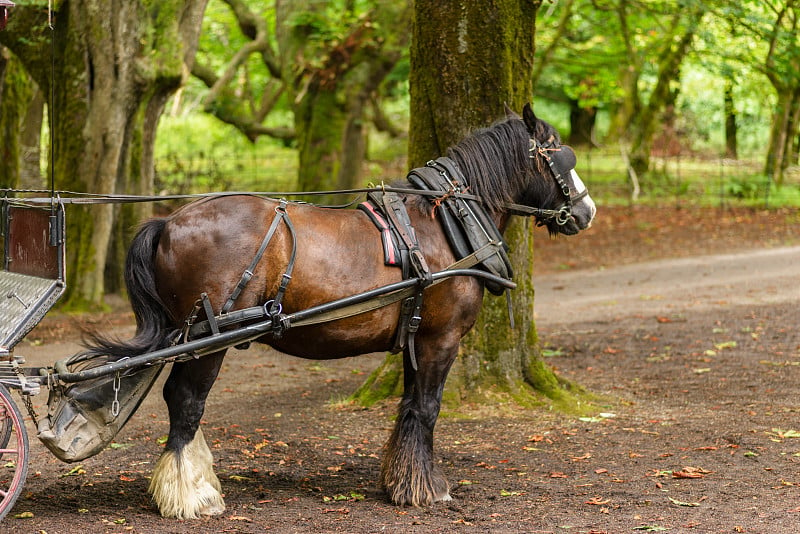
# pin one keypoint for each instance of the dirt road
(767, 276)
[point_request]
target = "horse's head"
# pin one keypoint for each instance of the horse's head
(569, 208)
(518, 166)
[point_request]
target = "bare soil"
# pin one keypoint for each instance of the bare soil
(697, 427)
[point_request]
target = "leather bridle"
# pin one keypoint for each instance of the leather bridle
(561, 160)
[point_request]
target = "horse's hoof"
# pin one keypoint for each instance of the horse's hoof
(212, 509)
(443, 498)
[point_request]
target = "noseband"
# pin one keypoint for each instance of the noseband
(561, 160)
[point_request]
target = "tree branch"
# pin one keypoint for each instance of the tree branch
(254, 27)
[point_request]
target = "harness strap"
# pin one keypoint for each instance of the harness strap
(411, 310)
(280, 322)
(280, 215)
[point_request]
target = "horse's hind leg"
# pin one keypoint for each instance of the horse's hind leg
(408, 471)
(184, 485)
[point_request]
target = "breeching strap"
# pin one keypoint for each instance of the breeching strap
(274, 307)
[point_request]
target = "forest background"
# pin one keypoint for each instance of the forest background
(679, 101)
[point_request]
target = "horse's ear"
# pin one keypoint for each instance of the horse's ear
(510, 113)
(530, 118)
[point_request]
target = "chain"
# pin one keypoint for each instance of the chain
(115, 403)
(25, 391)
(26, 400)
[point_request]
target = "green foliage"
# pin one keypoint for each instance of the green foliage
(586, 48)
(219, 160)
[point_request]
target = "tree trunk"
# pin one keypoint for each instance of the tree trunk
(785, 126)
(467, 61)
(499, 361)
(773, 166)
(113, 72)
(16, 95)
(644, 124)
(581, 122)
(731, 144)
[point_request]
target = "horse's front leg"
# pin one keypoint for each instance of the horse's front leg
(184, 485)
(408, 473)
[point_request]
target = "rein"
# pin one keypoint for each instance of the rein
(73, 197)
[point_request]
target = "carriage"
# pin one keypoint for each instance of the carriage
(416, 288)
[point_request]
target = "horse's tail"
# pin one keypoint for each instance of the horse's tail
(153, 322)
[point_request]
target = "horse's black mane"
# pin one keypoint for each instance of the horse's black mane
(497, 165)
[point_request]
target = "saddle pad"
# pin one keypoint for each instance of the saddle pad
(391, 250)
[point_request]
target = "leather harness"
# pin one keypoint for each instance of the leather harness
(473, 238)
(472, 235)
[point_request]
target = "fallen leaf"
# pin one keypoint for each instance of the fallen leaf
(786, 434)
(597, 501)
(682, 503)
(75, 471)
(690, 472)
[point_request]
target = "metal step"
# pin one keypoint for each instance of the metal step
(24, 300)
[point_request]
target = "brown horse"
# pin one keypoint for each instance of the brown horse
(204, 247)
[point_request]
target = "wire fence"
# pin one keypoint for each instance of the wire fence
(672, 180)
(247, 171)
(688, 180)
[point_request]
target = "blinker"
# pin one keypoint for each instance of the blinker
(564, 160)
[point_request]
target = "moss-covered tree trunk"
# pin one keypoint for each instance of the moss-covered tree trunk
(113, 70)
(467, 60)
(785, 128)
(644, 125)
(16, 96)
(331, 83)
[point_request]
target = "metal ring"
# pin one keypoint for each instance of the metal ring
(563, 216)
(268, 308)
